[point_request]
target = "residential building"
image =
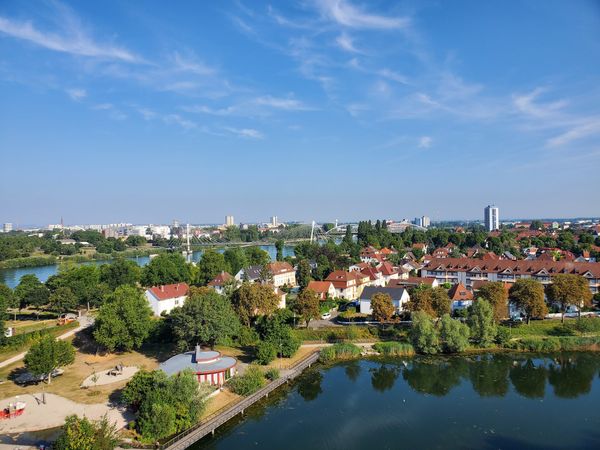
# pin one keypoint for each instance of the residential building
(250, 273)
(345, 284)
(163, 299)
(460, 296)
(274, 222)
(283, 274)
(469, 270)
(491, 215)
(399, 298)
(229, 222)
(219, 282)
(413, 282)
(425, 222)
(324, 289)
(7, 227)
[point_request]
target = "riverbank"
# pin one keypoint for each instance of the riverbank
(49, 260)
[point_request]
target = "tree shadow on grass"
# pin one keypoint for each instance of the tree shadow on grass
(561, 330)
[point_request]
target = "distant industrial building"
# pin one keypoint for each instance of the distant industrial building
(491, 215)
(423, 221)
(229, 222)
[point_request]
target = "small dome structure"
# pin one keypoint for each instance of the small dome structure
(209, 365)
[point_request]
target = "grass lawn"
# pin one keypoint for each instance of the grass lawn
(286, 363)
(9, 352)
(539, 328)
(26, 326)
(221, 400)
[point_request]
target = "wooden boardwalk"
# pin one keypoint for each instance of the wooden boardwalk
(208, 426)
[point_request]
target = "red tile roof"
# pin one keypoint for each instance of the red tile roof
(320, 287)
(168, 291)
(280, 267)
(460, 292)
(220, 279)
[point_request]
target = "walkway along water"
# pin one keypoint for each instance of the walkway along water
(194, 434)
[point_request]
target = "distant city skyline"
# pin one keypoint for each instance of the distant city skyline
(317, 109)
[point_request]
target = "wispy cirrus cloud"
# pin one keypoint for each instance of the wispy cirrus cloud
(76, 94)
(589, 127)
(249, 133)
(73, 40)
(345, 42)
(527, 104)
(348, 15)
(425, 141)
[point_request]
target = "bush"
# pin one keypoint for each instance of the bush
(81, 433)
(424, 335)
(481, 323)
(454, 335)
(502, 336)
(342, 350)
(585, 325)
(247, 336)
(272, 374)
(265, 352)
(247, 384)
(352, 332)
(394, 348)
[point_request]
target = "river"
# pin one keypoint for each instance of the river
(487, 402)
(11, 277)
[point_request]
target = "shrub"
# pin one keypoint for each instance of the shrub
(342, 350)
(454, 335)
(351, 332)
(394, 348)
(81, 433)
(586, 325)
(481, 323)
(247, 336)
(424, 335)
(247, 384)
(272, 374)
(265, 352)
(502, 336)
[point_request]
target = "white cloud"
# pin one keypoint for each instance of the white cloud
(103, 106)
(584, 130)
(249, 133)
(288, 104)
(191, 64)
(76, 93)
(74, 42)
(176, 119)
(146, 113)
(346, 43)
(425, 141)
(526, 104)
(394, 76)
(348, 15)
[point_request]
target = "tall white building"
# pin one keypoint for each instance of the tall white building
(491, 215)
(229, 221)
(274, 222)
(8, 227)
(425, 221)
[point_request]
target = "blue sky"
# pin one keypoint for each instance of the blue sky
(325, 109)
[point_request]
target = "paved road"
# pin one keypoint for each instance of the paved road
(84, 322)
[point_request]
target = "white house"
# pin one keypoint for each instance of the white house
(163, 299)
(399, 297)
(283, 274)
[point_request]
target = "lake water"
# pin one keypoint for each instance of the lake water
(11, 277)
(488, 402)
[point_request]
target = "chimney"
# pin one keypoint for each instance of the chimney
(197, 352)
(162, 288)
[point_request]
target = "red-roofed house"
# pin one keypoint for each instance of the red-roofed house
(283, 273)
(460, 296)
(219, 281)
(345, 284)
(163, 299)
(323, 289)
(388, 272)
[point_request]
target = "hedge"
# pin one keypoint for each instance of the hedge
(394, 348)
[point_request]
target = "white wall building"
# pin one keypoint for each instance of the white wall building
(163, 299)
(491, 215)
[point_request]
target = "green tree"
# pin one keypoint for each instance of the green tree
(257, 256)
(440, 301)
(236, 259)
(528, 295)
(166, 268)
(252, 300)
(454, 335)
(83, 280)
(497, 295)
(382, 306)
(124, 321)
(140, 386)
(279, 247)
(276, 330)
(63, 300)
(423, 334)
(481, 323)
(47, 355)
(266, 351)
(120, 272)
(211, 265)
(205, 318)
(303, 273)
(31, 292)
(136, 241)
(78, 434)
(307, 305)
(433, 301)
(6, 301)
(569, 290)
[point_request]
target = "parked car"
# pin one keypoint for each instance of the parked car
(29, 378)
(326, 316)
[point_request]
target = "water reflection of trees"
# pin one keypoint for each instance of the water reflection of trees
(309, 386)
(352, 370)
(384, 377)
(570, 375)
